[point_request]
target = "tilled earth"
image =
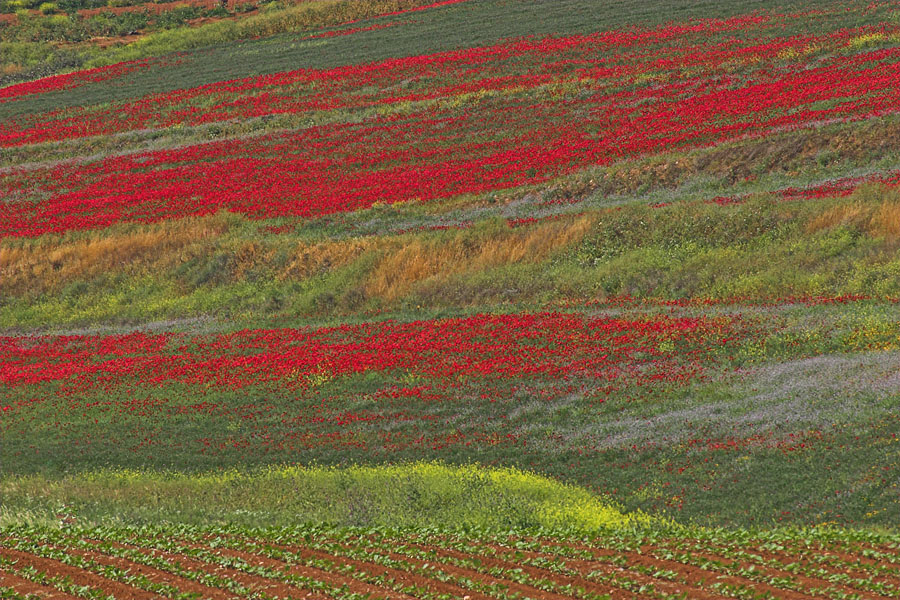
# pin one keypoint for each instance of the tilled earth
(321, 563)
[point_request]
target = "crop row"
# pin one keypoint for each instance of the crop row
(324, 563)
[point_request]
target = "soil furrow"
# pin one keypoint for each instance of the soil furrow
(253, 582)
(336, 579)
(857, 557)
(889, 549)
(153, 574)
(78, 576)
(23, 586)
(560, 578)
(807, 582)
(799, 557)
(861, 562)
(475, 575)
(377, 569)
(698, 576)
(475, 571)
(584, 568)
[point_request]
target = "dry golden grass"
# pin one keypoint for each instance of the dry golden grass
(854, 214)
(886, 220)
(311, 259)
(420, 259)
(53, 264)
(11, 69)
(872, 209)
(160, 248)
(249, 256)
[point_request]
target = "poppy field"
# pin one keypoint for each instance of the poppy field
(382, 388)
(644, 396)
(487, 118)
(456, 299)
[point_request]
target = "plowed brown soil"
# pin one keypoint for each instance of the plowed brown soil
(694, 575)
(255, 583)
(803, 581)
(585, 567)
(354, 585)
(560, 578)
(697, 579)
(78, 576)
(886, 550)
(449, 569)
(23, 587)
(845, 568)
(475, 571)
(185, 585)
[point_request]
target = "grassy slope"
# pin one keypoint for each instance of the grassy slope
(469, 24)
(772, 442)
(37, 46)
(689, 454)
(231, 268)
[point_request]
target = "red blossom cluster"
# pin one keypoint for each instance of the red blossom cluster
(302, 386)
(479, 119)
(103, 74)
(544, 346)
(834, 188)
(839, 187)
(475, 120)
(609, 60)
(22, 91)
